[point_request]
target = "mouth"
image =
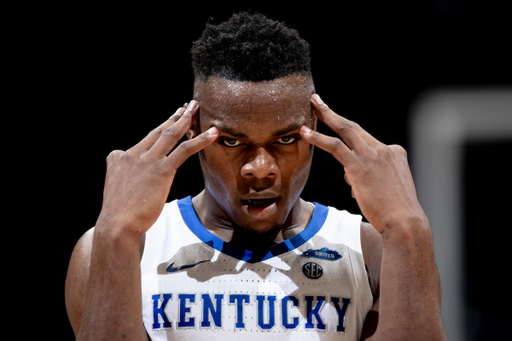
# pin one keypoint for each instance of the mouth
(260, 208)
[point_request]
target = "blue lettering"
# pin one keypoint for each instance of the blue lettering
(284, 311)
(159, 310)
(183, 322)
(215, 312)
(240, 300)
(271, 314)
(341, 312)
(310, 312)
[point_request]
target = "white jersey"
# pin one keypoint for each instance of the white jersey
(312, 286)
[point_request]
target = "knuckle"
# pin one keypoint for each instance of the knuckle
(392, 151)
(376, 153)
(127, 155)
(382, 150)
(169, 132)
(185, 147)
(347, 125)
(114, 155)
(157, 131)
(399, 149)
(336, 143)
(315, 135)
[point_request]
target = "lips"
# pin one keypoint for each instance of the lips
(260, 208)
(259, 202)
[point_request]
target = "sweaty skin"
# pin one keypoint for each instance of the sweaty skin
(104, 281)
(255, 141)
(257, 169)
(409, 304)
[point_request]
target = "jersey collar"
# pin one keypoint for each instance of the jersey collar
(194, 224)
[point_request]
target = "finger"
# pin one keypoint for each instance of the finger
(171, 135)
(190, 147)
(330, 144)
(111, 160)
(351, 132)
(113, 156)
(346, 179)
(153, 136)
(348, 182)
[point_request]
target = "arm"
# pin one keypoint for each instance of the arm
(371, 244)
(136, 188)
(410, 292)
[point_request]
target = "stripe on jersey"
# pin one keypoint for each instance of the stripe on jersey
(194, 224)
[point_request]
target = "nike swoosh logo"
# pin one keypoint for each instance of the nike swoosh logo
(171, 268)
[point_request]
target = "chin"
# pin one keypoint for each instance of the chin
(261, 228)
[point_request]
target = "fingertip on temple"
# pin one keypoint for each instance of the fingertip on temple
(315, 98)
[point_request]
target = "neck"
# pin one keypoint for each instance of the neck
(216, 221)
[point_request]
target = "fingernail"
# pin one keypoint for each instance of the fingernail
(316, 99)
(213, 131)
(305, 130)
(192, 105)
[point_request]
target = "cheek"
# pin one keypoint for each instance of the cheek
(218, 170)
(295, 167)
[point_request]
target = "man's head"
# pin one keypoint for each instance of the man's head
(253, 82)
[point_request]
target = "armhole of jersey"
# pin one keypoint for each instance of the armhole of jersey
(352, 231)
(151, 247)
(364, 262)
(352, 239)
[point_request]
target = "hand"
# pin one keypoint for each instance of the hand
(138, 180)
(380, 176)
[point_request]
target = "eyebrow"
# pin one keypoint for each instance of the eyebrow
(226, 129)
(290, 127)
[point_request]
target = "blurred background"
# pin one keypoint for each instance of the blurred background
(423, 74)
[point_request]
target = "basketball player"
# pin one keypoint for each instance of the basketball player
(247, 257)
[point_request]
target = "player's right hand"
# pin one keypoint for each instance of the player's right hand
(138, 181)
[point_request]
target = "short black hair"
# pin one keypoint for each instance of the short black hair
(250, 47)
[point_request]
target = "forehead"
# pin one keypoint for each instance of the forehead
(260, 104)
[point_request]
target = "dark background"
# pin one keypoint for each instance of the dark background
(99, 77)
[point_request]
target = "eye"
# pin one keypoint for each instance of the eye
(231, 142)
(286, 140)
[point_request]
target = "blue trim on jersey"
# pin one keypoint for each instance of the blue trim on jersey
(194, 224)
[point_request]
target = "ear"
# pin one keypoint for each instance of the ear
(313, 120)
(194, 130)
(191, 132)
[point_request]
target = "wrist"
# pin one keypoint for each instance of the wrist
(116, 231)
(405, 226)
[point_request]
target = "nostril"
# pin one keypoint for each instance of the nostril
(261, 166)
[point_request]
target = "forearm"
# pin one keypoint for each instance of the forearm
(410, 291)
(113, 304)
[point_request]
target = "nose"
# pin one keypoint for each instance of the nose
(261, 165)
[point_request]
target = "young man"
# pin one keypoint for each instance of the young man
(247, 257)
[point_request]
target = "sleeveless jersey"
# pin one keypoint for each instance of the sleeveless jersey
(312, 286)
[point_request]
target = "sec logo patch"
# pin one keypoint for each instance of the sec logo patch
(312, 270)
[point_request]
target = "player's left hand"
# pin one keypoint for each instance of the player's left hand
(379, 174)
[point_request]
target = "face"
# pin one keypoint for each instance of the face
(259, 165)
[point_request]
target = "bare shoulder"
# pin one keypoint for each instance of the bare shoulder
(371, 244)
(78, 275)
(76, 280)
